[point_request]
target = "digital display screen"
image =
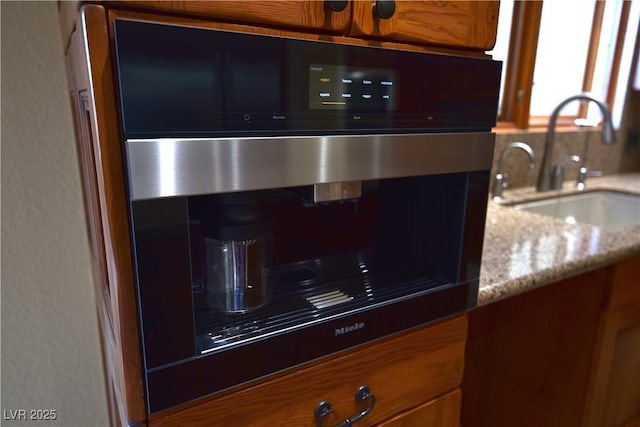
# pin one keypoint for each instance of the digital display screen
(336, 87)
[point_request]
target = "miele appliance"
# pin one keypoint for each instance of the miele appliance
(290, 198)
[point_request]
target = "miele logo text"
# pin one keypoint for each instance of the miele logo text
(350, 328)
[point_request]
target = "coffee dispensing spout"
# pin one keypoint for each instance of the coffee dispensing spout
(335, 191)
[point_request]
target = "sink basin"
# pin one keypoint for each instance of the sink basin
(603, 208)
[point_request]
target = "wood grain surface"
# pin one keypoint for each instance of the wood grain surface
(464, 24)
(402, 372)
(441, 412)
(528, 358)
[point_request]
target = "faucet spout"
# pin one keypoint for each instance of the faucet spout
(545, 176)
(500, 180)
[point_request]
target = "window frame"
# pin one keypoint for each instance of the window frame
(521, 59)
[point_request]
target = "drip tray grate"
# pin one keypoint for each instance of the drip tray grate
(297, 309)
(329, 299)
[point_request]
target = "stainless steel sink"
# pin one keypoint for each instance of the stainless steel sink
(603, 208)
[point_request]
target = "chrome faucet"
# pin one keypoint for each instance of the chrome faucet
(583, 172)
(500, 180)
(546, 179)
(557, 173)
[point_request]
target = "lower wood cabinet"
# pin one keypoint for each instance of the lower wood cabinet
(614, 393)
(529, 356)
(409, 374)
(567, 354)
(441, 412)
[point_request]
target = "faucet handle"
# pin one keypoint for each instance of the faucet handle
(500, 183)
(557, 173)
(583, 173)
(557, 177)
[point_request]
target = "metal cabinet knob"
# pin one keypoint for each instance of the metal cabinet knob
(384, 9)
(337, 5)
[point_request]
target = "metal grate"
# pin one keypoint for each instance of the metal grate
(297, 309)
(329, 299)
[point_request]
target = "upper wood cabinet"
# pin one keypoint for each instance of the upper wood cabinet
(462, 24)
(316, 15)
(466, 25)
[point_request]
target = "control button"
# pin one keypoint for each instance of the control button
(366, 96)
(346, 95)
(347, 81)
(325, 94)
(367, 82)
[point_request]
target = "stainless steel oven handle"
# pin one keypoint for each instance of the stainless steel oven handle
(362, 394)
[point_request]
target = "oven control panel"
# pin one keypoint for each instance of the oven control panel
(176, 81)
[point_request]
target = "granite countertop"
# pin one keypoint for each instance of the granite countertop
(523, 250)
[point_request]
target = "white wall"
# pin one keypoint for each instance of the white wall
(50, 346)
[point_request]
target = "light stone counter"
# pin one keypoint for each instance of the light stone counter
(523, 250)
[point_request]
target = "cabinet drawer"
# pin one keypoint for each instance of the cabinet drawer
(402, 372)
(308, 14)
(441, 412)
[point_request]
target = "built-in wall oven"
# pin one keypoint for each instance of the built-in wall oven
(290, 199)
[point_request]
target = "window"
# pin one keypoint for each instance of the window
(556, 49)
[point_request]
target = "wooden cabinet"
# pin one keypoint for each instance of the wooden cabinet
(441, 412)
(307, 14)
(467, 25)
(528, 357)
(462, 24)
(614, 392)
(410, 370)
(415, 376)
(567, 354)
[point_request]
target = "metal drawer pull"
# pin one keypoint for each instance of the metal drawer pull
(363, 393)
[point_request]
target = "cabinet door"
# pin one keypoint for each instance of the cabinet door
(462, 24)
(614, 398)
(441, 412)
(308, 14)
(528, 357)
(623, 398)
